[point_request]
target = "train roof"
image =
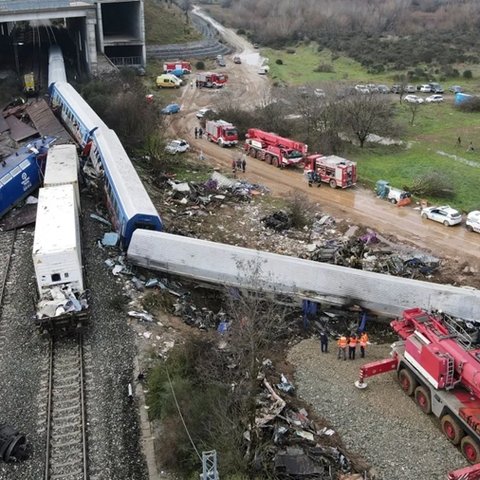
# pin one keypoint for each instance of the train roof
(81, 108)
(55, 228)
(127, 183)
(56, 66)
(62, 165)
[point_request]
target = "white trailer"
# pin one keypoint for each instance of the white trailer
(57, 256)
(62, 168)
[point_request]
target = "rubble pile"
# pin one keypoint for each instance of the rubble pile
(299, 446)
(57, 301)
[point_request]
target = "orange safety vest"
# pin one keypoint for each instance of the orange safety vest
(342, 342)
(353, 342)
(363, 340)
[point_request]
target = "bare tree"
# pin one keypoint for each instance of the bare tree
(413, 107)
(365, 114)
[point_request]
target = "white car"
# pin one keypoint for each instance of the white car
(446, 215)
(426, 88)
(203, 111)
(473, 221)
(362, 89)
(413, 99)
(177, 146)
(434, 99)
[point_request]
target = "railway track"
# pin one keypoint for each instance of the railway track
(7, 243)
(66, 437)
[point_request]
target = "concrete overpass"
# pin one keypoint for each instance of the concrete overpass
(113, 27)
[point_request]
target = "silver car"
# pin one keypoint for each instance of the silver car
(446, 215)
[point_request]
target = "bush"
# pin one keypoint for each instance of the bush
(470, 105)
(279, 61)
(297, 207)
(200, 65)
(467, 74)
(432, 184)
(241, 31)
(324, 67)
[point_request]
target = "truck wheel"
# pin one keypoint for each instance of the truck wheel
(252, 152)
(451, 429)
(422, 399)
(333, 184)
(220, 143)
(470, 449)
(392, 200)
(268, 159)
(275, 162)
(209, 138)
(407, 381)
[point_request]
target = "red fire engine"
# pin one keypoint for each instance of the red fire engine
(275, 150)
(438, 363)
(185, 67)
(336, 171)
(222, 133)
(211, 79)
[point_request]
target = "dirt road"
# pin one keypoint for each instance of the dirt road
(358, 205)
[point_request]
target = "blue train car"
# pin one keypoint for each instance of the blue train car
(22, 172)
(128, 202)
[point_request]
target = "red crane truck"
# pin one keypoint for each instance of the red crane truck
(438, 363)
(275, 150)
(336, 171)
(211, 79)
(222, 133)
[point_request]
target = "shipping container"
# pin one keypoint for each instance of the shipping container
(62, 168)
(57, 256)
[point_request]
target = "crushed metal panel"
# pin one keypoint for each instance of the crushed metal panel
(294, 461)
(19, 130)
(3, 125)
(46, 123)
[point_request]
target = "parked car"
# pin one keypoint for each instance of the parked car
(473, 221)
(372, 88)
(177, 146)
(446, 215)
(434, 99)
(318, 92)
(362, 89)
(203, 111)
(413, 99)
(425, 88)
(383, 89)
(410, 89)
(237, 60)
(435, 87)
(455, 89)
(171, 108)
(396, 89)
(220, 61)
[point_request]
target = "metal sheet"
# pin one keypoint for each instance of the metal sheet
(46, 123)
(3, 125)
(19, 130)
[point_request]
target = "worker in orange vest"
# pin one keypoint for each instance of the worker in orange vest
(342, 347)
(363, 343)
(352, 346)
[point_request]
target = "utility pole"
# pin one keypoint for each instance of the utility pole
(209, 466)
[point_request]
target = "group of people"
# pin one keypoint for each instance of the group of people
(240, 164)
(345, 342)
(198, 132)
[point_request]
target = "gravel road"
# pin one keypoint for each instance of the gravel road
(380, 423)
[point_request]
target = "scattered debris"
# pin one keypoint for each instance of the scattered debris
(100, 219)
(110, 239)
(57, 301)
(278, 221)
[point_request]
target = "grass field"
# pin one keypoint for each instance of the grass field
(436, 127)
(165, 24)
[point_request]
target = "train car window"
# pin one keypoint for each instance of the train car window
(56, 277)
(144, 226)
(5, 179)
(66, 275)
(25, 164)
(15, 171)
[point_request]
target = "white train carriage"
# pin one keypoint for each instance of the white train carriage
(128, 201)
(62, 168)
(57, 256)
(56, 66)
(77, 115)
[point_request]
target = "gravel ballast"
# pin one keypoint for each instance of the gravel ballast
(380, 423)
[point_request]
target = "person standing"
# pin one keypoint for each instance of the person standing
(352, 346)
(342, 347)
(244, 162)
(234, 168)
(196, 132)
(200, 132)
(363, 343)
(323, 341)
